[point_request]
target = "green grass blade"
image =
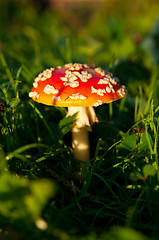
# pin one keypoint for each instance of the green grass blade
(7, 69)
(45, 122)
(108, 186)
(23, 149)
(3, 164)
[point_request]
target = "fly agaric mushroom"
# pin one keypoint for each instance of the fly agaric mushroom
(78, 87)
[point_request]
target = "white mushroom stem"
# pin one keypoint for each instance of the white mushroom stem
(86, 116)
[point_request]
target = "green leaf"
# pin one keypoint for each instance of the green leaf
(21, 198)
(149, 170)
(66, 123)
(129, 142)
(125, 233)
(143, 144)
(134, 176)
(14, 102)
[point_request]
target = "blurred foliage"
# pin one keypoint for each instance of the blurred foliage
(41, 196)
(19, 197)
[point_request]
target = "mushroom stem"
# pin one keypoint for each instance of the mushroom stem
(80, 144)
(86, 116)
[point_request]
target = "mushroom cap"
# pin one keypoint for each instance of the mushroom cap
(76, 85)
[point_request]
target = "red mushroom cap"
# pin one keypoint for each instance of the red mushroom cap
(76, 85)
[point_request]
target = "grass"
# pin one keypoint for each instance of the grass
(40, 194)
